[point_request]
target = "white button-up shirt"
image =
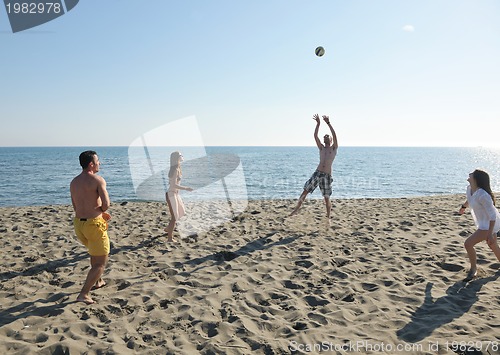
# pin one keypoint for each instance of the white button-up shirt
(482, 209)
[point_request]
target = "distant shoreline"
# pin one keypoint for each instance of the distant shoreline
(255, 173)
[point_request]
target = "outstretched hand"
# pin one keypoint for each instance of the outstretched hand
(316, 118)
(326, 119)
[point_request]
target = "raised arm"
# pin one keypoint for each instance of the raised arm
(316, 138)
(334, 136)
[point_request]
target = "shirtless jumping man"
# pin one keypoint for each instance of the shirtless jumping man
(323, 174)
(90, 202)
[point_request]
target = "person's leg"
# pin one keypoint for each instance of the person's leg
(299, 203)
(309, 187)
(476, 237)
(97, 264)
(171, 224)
(325, 185)
(494, 247)
(170, 230)
(328, 205)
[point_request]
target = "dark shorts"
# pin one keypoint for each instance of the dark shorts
(324, 181)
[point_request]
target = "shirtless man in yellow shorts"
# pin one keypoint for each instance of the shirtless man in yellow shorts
(90, 202)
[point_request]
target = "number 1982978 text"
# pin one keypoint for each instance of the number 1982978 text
(33, 8)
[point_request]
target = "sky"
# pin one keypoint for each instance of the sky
(395, 73)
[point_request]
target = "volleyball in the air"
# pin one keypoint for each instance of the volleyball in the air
(319, 51)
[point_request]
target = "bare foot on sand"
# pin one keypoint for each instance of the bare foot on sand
(171, 240)
(470, 275)
(99, 284)
(85, 299)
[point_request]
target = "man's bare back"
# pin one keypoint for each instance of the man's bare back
(88, 192)
(85, 195)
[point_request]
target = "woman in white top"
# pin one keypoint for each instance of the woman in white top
(486, 217)
(174, 201)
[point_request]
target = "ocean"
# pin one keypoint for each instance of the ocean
(41, 175)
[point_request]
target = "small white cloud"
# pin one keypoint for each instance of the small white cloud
(408, 28)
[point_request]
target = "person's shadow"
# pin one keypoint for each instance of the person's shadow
(220, 257)
(432, 314)
(52, 307)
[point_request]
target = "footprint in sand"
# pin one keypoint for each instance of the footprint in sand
(85, 316)
(58, 349)
(495, 266)
(291, 285)
(100, 315)
(227, 314)
(450, 267)
(339, 274)
(123, 285)
(304, 263)
(89, 330)
(416, 280)
(314, 301)
(318, 318)
(114, 310)
(339, 262)
(210, 329)
(67, 284)
(369, 286)
(120, 301)
(300, 326)
(180, 292)
(349, 298)
(147, 338)
(164, 303)
(41, 338)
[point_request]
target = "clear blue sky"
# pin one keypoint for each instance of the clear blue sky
(395, 73)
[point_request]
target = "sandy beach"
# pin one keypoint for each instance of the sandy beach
(385, 277)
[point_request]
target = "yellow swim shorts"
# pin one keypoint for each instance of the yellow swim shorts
(93, 233)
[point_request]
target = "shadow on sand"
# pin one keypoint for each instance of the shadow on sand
(432, 314)
(53, 305)
(220, 257)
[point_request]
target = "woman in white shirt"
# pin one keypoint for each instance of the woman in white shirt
(486, 217)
